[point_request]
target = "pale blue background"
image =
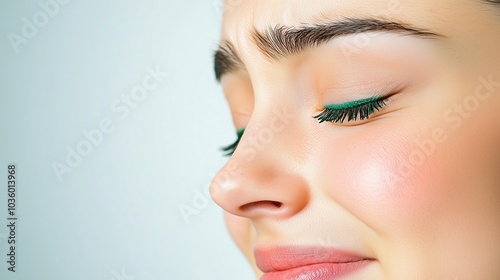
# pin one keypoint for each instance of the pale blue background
(117, 214)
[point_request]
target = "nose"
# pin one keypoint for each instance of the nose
(259, 183)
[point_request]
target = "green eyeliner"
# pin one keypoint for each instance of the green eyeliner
(354, 110)
(239, 132)
(229, 150)
(351, 104)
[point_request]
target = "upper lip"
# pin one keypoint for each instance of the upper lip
(280, 258)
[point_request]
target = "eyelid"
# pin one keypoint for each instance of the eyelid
(337, 113)
(352, 104)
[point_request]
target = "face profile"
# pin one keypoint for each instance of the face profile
(368, 138)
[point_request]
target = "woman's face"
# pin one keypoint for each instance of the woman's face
(410, 192)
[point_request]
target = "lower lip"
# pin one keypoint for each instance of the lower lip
(322, 271)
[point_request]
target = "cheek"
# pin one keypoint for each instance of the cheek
(387, 181)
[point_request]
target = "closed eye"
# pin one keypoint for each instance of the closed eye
(354, 110)
(229, 150)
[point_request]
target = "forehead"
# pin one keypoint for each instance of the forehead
(242, 16)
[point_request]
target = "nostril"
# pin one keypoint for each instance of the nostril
(265, 204)
(276, 203)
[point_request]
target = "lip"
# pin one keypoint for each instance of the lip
(312, 263)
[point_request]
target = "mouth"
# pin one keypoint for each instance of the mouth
(311, 263)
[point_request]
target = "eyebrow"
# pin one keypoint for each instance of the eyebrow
(281, 41)
(226, 60)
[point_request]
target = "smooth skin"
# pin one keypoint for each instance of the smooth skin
(416, 186)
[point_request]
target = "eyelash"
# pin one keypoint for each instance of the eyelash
(229, 150)
(362, 108)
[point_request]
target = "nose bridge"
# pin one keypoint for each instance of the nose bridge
(267, 129)
(259, 180)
